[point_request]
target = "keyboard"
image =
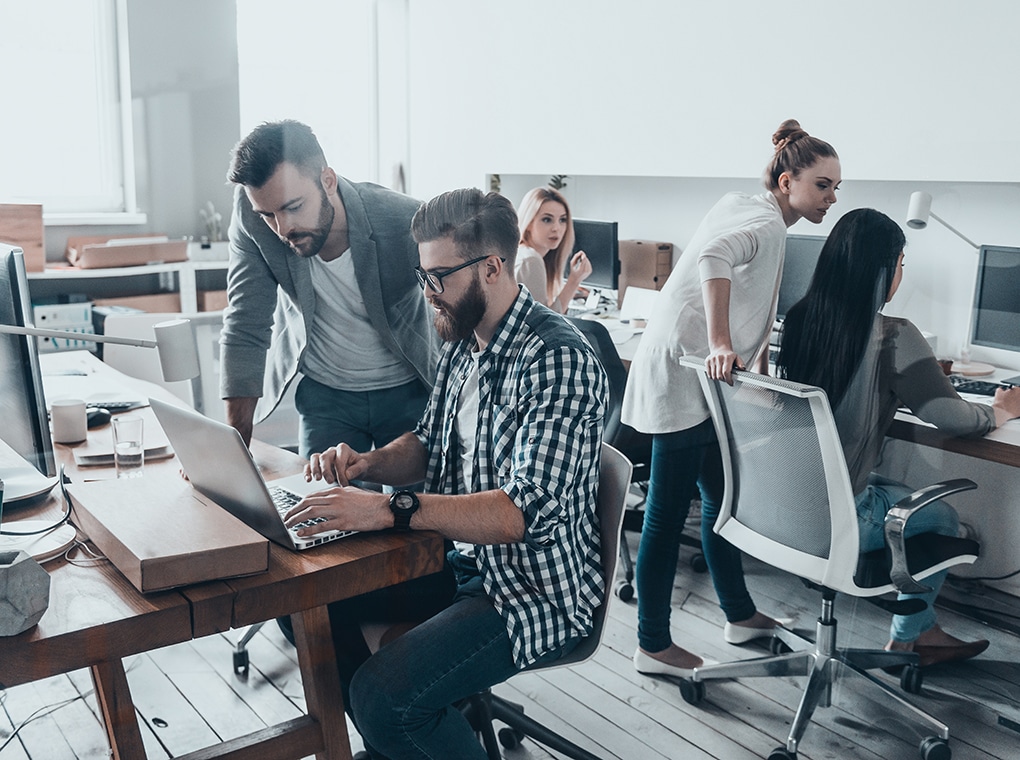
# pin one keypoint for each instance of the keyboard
(114, 406)
(978, 387)
(284, 500)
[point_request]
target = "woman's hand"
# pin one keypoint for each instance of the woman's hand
(1006, 404)
(720, 364)
(580, 268)
(337, 464)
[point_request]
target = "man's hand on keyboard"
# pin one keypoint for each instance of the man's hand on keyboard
(337, 464)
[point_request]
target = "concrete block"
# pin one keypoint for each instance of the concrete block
(24, 592)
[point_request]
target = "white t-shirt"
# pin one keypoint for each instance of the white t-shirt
(466, 427)
(344, 350)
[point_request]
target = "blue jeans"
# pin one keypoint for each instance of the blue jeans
(873, 504)
(361, 419)
(680, 461)
(402, 698)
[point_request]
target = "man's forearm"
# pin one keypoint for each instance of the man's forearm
(241, 415)
(490, 517)
(398, 463)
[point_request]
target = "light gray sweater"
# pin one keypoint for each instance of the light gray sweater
(899, 369)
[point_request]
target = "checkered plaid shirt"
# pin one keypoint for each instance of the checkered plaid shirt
(542, 397)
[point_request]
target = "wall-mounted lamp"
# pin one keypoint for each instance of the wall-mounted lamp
(175, 343)
(919, 211)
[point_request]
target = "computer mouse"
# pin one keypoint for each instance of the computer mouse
(97, 416)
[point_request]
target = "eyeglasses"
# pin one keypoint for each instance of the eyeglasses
(435, 279)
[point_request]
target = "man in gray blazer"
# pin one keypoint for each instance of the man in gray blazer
(321, 279)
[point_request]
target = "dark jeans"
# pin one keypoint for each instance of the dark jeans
(361, 419)
(401, 699)
(680, 461)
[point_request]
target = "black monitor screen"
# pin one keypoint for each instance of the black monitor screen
(996, 320)
(798, 268)
(599, 242)
(23, 421)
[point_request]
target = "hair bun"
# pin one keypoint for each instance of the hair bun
(789, 131)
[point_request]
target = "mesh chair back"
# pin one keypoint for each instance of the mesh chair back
(614, 480)
(788, 499)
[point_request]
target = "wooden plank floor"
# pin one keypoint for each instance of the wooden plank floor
(187, 695)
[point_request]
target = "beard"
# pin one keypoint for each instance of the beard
(312, 241)
(457, 321)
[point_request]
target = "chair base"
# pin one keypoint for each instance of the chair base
(825, 665)
(484, 708)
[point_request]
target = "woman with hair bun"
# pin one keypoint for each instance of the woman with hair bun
(547, 240)
(719, 302)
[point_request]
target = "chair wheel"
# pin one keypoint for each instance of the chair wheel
(933, 748)
(241, 663)
(693, 692)
(782, 753)
(624, 591)
(778, 646)
(698, 563)
(510, 738)
(911, 679)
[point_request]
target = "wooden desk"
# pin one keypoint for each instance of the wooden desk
(96, 618)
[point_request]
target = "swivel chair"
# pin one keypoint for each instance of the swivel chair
(637, 447)
(483, 708)
(788, 502)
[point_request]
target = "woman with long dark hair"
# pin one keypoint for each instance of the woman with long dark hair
(869, 365)
(719, 302)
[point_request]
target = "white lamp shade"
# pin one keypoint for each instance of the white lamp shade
(178, 352)
(919, 210)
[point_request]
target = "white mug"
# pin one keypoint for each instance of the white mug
(69, 421)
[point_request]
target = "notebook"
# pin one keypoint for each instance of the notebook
(219, 465)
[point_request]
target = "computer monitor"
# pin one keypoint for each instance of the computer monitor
(599, 241)
(798, 268)
(24, 424)
(996, 319)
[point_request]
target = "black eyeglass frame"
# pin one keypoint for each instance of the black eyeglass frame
(435, 281)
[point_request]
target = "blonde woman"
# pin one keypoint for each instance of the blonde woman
(547, 239)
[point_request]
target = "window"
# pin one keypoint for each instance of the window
(65, 130)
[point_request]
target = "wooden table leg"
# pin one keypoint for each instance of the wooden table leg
(323, 696)
(118, 710)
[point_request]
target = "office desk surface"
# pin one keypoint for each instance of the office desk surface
(96, 617)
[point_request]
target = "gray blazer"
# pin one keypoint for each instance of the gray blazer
(271, 300)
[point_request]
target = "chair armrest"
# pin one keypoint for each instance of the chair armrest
(896, 521)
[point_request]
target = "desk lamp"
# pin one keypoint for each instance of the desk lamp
(919, 211)
(175, 343)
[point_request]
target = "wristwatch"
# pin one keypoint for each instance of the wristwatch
(403, 504)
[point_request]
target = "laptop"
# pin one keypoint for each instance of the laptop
(219, 465)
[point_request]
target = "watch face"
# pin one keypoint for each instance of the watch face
(403, 501)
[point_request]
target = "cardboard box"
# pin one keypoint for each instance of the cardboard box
(21, 224)
(92, 252)
(644, 264)
(154, 303)
(161, 533)
(211, 300)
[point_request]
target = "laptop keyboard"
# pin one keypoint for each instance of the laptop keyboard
(285, 500)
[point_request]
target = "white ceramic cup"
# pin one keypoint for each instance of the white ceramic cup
(128, 447)
(68, 418)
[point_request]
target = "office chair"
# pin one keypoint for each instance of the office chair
(788, 501)
(637, 447)
(482, 709)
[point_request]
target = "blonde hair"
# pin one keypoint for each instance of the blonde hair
(556, 263)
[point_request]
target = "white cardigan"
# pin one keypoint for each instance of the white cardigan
(742, 239)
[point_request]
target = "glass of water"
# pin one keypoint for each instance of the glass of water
(128, 447)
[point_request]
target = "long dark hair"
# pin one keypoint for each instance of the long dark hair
(826, 333)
